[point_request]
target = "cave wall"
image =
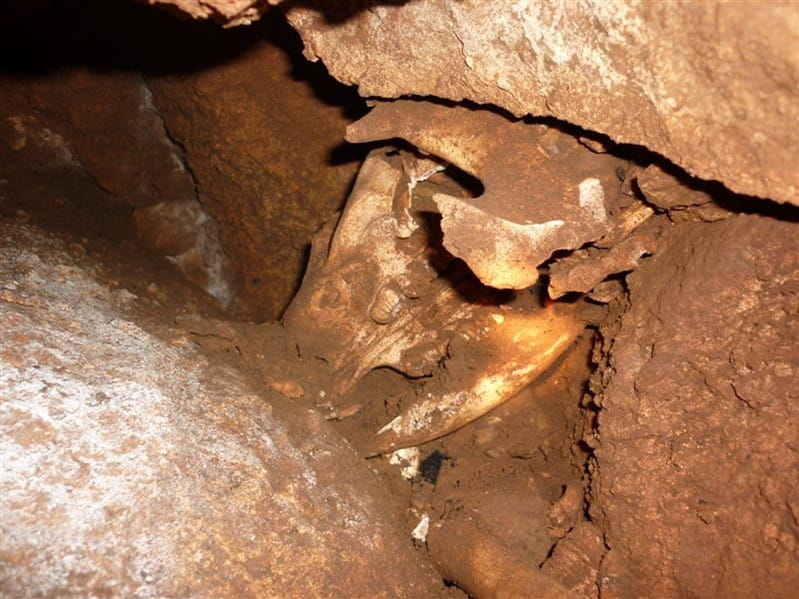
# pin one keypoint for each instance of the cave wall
(265, 153)
(671, 77)
(695, 480)
(203, 140)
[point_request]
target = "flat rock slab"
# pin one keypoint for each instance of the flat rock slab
(696, 82)
(132, 466)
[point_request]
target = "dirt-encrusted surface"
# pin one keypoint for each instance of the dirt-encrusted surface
(697, 82)
(228, 136)
(515, 477)
(695, 479)
(152, 445)
(133, 465)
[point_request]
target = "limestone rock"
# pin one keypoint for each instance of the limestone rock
(698, 82)
(134, 466)
(259, 143)
(695, 482)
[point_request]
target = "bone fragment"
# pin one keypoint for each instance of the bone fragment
(519, 347)
(634, 235)
(371, 198)
(627, 222)
(484, 567)
(583, 271)
(534, 178)
(498, 250)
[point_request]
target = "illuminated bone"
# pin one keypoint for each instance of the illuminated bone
(373, 299)
(516, 348)
(544, 191)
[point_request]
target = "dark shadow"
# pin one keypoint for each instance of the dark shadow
(121, 36)
(114, 36)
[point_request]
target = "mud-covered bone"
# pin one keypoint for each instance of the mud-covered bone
(377, 297)
(511, 349)
(544, 191)
(635, 233)
(374, 299)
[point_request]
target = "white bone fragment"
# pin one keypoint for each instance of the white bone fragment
(420, 532)
(592, 198)
(408, 461)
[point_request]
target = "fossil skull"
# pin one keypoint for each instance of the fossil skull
(371, 297)
(378, 293)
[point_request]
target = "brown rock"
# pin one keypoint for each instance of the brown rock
(698, 428)
(101, 123)
(566, 511)
(182, 231)
(290, 389)
(697, 82)
(259, 143)
(133, 466)
(226, 12)
(512, 510)
(575, 560)
(261, 130)
(615, 578)
(95, 141)
(680, 196)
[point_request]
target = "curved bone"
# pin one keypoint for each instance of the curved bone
(520, 348)
(372, 197)
(534, 177)
(361, 308)
(482, 565)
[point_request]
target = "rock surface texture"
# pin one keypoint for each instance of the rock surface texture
(227, 12)
(695, 488)
(73, 121)
(96, 144)
(133, 466)
(260, 145)
(696, 82)
(229, 133)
